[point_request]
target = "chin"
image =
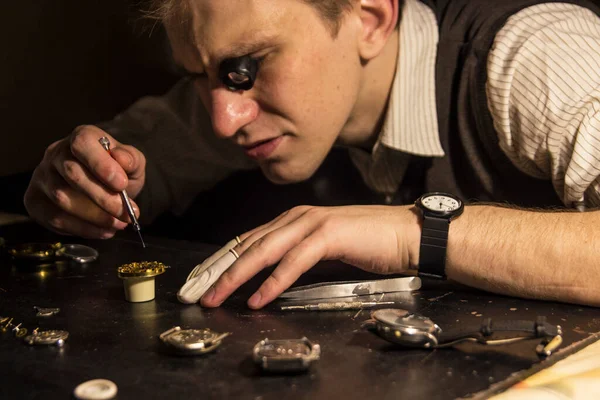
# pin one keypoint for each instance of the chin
(283, 174)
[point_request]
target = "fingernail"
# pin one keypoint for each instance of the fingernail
(208, 296)
(107, 235)
(110, 176)
(118, 224)
(254, 301)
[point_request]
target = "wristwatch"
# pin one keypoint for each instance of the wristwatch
(192, 341)
(438, 209)
(414, 330)
(286, 355)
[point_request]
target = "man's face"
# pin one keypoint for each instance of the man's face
(305, 89)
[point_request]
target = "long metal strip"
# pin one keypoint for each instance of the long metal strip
(327, 290)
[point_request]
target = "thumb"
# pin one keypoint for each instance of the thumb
(131, 160)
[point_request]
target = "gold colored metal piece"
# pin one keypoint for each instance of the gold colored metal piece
(546, 349)
(141, 269)
(7, 323)
(36, 251)
(235, 254)
(238, 240)
(21, 332)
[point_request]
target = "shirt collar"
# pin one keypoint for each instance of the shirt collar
(411, 123)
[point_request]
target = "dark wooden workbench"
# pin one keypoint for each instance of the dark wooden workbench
(113, 339)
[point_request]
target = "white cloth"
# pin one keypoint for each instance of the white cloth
(204, 275)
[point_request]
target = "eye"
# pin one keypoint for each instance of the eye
(239, 73)
(237, 79)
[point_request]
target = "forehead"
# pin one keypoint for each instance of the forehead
(204, 30)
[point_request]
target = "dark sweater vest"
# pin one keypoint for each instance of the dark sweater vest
(474, 167)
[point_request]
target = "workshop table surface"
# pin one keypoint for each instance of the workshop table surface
(113, 339)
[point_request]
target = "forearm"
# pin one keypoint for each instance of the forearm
(543, 255)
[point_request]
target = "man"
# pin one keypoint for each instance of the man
(493, 101)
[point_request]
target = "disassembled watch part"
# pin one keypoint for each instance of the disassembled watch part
(96, 389)
(138, 279)
(45, 312)
(48, 338)
(287, 355)
(38, 253)
(79, 253)
(192, 341)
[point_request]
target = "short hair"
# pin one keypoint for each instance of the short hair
(330, 11)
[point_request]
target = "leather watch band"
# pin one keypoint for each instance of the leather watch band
(432, 252)
(539, 328)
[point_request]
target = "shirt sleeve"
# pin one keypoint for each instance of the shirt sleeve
(183, 156)
(543, 92)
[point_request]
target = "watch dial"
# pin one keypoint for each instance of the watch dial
(284, 348)
(191, 336)
(441, 203)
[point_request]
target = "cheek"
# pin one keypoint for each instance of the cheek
(312, 88)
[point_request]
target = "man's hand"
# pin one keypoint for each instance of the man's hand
(380, 239)
(75, 189)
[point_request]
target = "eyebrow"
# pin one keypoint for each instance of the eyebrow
(242, 49)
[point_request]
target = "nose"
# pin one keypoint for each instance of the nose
(231, 111)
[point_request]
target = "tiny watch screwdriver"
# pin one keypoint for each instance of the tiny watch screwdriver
(126, 202)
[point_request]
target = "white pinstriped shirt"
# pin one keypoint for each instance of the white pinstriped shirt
(543, 93)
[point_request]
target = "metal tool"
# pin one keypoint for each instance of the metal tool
(337, 306)
(134, 222)
(327, 290)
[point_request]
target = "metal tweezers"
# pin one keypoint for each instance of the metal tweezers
(327, 290)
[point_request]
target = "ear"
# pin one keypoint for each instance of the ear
(378, 18)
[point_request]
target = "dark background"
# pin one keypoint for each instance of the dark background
(66, 63)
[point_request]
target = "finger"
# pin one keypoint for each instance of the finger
(296, 262)
(200, 268)
(282, 219)
(196, 287)
(84, 196)
(62, 222)
(263, 253)
(130, 159)
(86, 148)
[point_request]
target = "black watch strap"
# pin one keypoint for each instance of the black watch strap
(432, 252)
(538, 328)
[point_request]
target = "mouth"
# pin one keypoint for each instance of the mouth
(263, 149)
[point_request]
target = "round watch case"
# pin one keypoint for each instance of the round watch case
(192, 341)
(403, 327)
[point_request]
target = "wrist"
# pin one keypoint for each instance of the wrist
(409, 236)
(437, 210)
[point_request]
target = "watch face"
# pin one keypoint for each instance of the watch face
(441, 203)
(287, 355)
(283, 348)
(191, 337)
